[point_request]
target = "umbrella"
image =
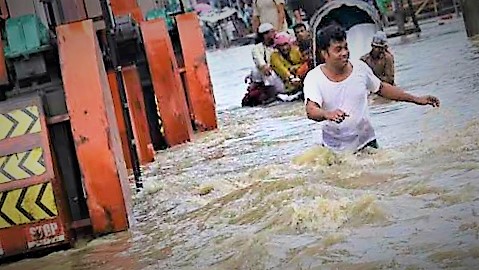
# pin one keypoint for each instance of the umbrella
(203, 8)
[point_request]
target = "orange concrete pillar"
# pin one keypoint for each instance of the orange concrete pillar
(200, 89)
(94, 127)
(136, 103)
(166, 82)
(115, 94)
(125, 7)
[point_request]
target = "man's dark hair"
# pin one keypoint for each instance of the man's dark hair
(329, 34)
(259, 37)
(299, 25)
(305, 45)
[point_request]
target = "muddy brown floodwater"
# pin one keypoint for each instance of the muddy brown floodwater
(260, 194)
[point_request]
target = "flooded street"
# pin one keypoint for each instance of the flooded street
(260, 193)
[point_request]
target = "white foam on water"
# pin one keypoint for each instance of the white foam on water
(359, 39)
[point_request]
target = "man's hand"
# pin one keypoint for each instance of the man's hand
(294, 80)
(428, 100)
(316, 113)
(266, 70)
(337, 116)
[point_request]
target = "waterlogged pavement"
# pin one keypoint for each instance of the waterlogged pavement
(260, 193)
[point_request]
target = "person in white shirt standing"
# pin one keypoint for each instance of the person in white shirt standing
(337, 92)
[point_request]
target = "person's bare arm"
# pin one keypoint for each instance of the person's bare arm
(389, 70)
(316, 113)
(281, 16)
(395, 93)
(255, 23)
(297, 16)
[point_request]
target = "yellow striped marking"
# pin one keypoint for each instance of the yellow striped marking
(27, 205)
(22, 165)
(20, 122)
(160, 122)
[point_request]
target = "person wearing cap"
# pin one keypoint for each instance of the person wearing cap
(379, 59)
(261, 53)
(286, 61)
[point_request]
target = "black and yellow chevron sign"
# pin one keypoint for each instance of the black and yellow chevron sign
(22, 165)
(160, 122)
(20, 122)
(27, 205)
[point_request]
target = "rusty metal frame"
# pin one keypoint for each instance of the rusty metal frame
(26, 142)
(166, 82)
(119, 118)
(136, 104)
(94, 128)
(200, 88)
(126, 7)
(13, 238)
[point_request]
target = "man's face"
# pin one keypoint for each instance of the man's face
(301, 33)
(269, 37)
(337, 54)
(284, 49)
(307, 55)
(377, 51)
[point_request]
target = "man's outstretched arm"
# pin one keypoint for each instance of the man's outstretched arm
(395, 93)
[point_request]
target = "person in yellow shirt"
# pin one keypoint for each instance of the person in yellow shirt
(288, 63)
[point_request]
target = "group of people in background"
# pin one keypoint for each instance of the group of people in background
(282, 59)
(281, 63)
(335, 91)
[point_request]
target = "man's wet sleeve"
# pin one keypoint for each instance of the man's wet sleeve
(373, 83)
(258, 56)
(311, 89)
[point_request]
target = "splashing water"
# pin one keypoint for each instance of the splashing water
(260, 193)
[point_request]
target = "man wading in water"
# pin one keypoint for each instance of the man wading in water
(337, 92)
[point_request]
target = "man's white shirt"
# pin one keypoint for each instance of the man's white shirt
(350, 96)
